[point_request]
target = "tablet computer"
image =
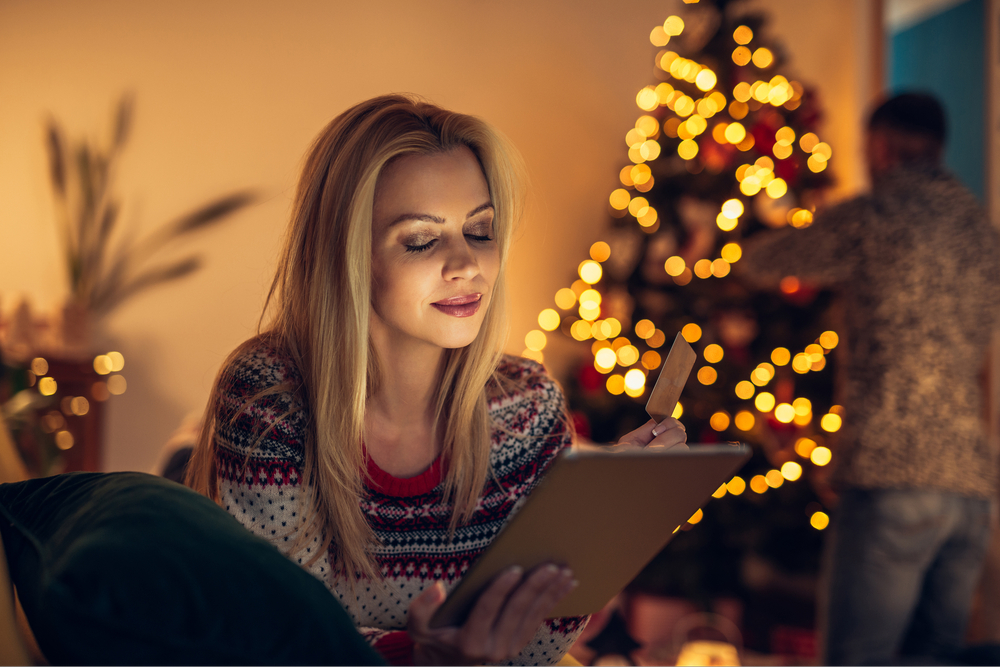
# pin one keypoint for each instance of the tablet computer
(603, 514)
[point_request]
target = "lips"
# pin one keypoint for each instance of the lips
(465, 305)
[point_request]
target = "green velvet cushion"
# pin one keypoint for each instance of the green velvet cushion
(128, 568)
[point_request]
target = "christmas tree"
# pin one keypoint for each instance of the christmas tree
(724, 147)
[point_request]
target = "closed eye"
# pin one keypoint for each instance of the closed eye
(421, 248)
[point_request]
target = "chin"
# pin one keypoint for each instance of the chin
(456, 343)
(457, 339)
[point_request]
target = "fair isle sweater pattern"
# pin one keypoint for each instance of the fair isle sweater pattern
(259, 458)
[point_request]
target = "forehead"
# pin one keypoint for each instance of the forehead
(431, 184)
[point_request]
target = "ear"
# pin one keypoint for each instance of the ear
(878, 152)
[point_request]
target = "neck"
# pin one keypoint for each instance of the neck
(401, 435)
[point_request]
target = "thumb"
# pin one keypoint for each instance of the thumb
(424, 606)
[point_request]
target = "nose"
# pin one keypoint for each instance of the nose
(459, 262)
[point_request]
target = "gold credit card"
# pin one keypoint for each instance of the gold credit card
(673, 377)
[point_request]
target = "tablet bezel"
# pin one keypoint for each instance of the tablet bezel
(603, 513)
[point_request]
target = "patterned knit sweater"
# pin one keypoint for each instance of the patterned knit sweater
(916, 265)
(261, 485)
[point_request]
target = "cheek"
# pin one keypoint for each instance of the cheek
(490, 267)
(397, 287)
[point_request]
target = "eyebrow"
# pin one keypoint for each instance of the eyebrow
(426, 217)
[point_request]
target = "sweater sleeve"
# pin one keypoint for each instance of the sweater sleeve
(260, 429)
(825, 253)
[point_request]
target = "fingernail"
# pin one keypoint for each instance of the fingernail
(655, 432)
(551, 569)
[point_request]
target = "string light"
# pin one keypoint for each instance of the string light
(549, 319)
(47, 386)
(764, 401)
(742, 35)
(804, 447)
(736, 486)
(820, 455)
(791, 470)
(691, 332)
(39, 366)
(744, 420)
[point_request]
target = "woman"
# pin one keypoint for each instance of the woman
(374, 431)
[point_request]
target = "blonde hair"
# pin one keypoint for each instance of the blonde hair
(321, 299)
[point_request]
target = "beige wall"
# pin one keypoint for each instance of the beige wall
(231, 92)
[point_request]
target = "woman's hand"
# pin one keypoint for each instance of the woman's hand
(501, 624)
(668, 434)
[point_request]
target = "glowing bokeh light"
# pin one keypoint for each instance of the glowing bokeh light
(736, 486)
(744, 420)
(549, 319)
(764, 401)
(713, 353)
(47, 386)
(673, 26)
(590, 271)
(719, 421)
(703, 268)
(691, 332)
(707, 375)
(102, 364)
(674, 266)
(821, 455)
(39, 366)
(635, 379)
(804, 447)
(117, 385)
(535, 340)
(781, 356)
(784, 413)
(731, 252)
(830, 423)
(791, 470)
(745, 390)
(829, 339)
(600, 251)
(565, 298)
(735, 133)
(819, 520)
(763, 58)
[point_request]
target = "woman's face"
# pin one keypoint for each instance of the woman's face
(435, 258)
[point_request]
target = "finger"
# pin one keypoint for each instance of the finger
(478, 629)
(543, 605)
(423, 608)
(672, 439)
(639, 437)
(521, 602)
(666, 425)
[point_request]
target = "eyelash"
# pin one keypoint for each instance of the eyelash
(429, 244)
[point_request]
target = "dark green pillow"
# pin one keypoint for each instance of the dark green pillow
(128, 568)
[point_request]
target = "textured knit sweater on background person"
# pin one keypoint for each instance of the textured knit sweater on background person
(261, 485)
(917, 269)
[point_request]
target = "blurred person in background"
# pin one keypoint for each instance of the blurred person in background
(915, 265)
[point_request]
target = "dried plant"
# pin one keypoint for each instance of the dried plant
(101, 277)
